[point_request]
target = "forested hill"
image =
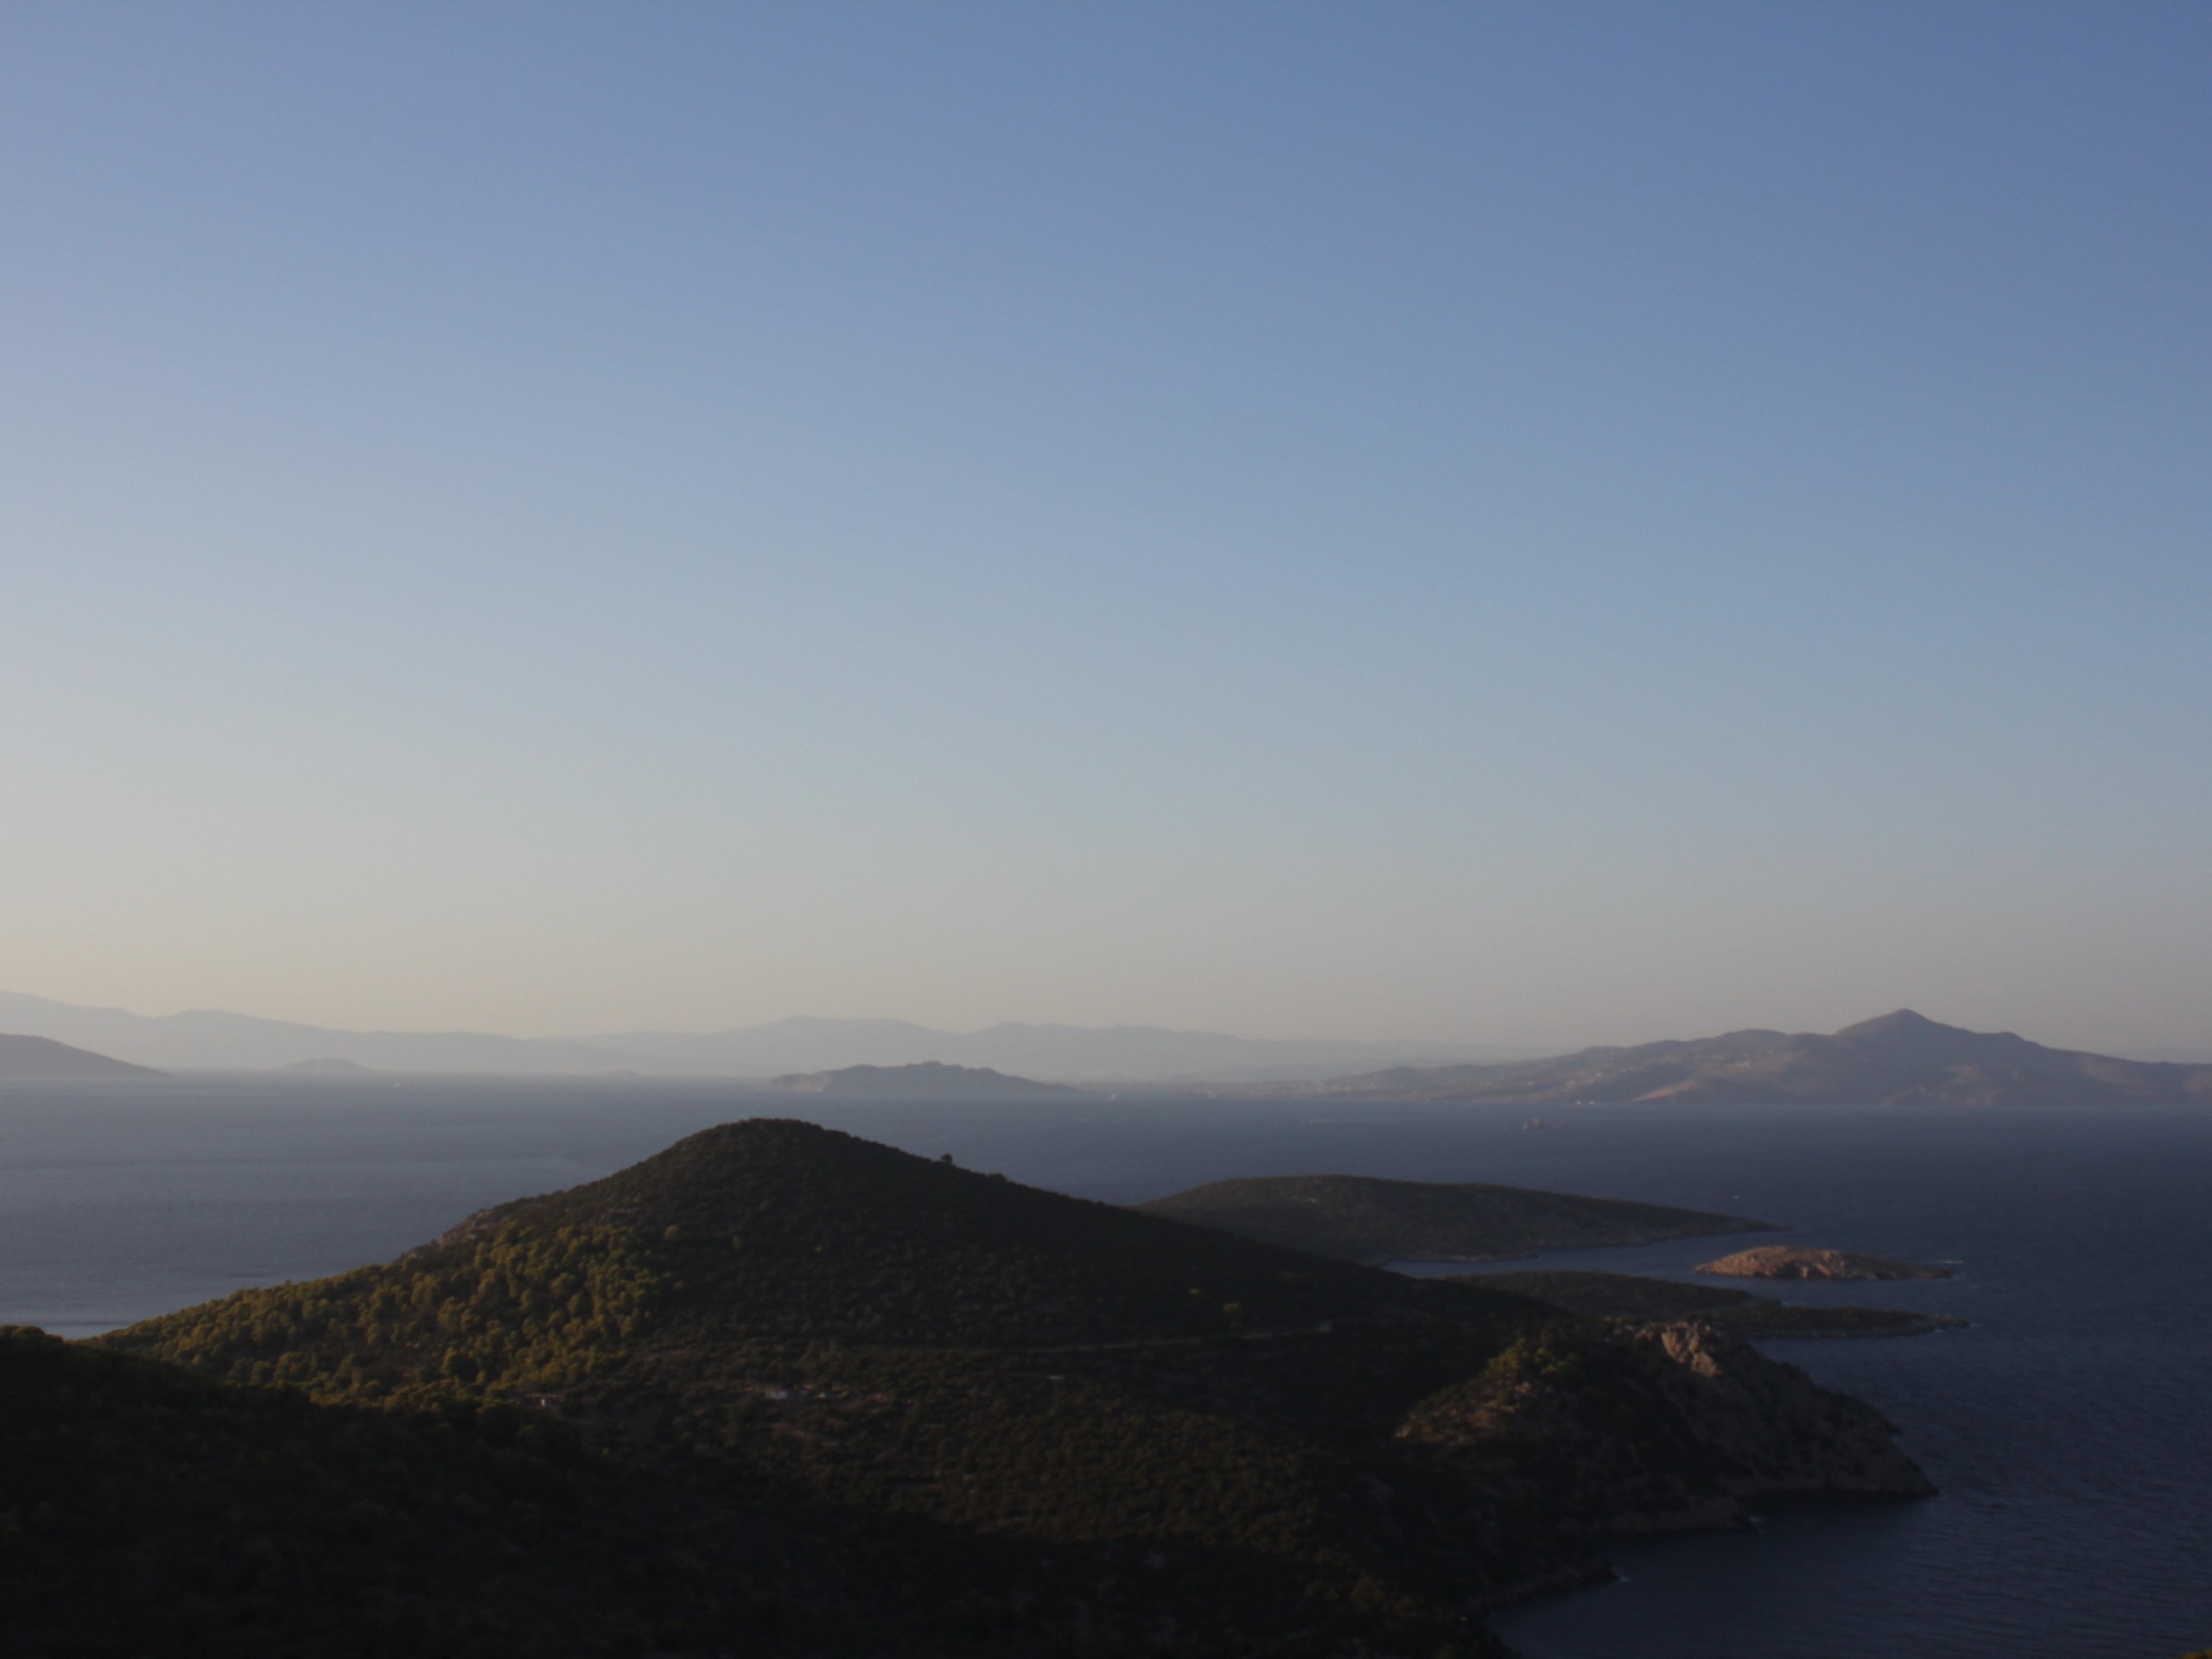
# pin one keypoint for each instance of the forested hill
(777, 1228)
(1359, 1218)
(1009, 1422)
(1901, 1058)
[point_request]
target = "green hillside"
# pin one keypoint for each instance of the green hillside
(1011, 1420)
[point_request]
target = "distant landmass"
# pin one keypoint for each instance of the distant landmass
(1359, 1218)
(927, 1081)
(1901, 1058)
(209, 1040)
(327, 1065)
(41, 1059)
(781, 1390)
(1135, 1054)
(214, 1041)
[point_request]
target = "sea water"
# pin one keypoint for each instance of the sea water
(2070, 1425)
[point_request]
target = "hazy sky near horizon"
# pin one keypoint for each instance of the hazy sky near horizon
(1532, 523)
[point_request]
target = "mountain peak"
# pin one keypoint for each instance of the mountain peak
(1902, 1023)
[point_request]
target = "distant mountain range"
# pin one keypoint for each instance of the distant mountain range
(1061, 1053)
(208, 1039)
(1901, 1058)
(213, 1040)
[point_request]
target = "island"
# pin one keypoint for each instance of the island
(929, 1080)
(327, 1065)
(1899, 1059)
(1360, 1218)
(1633, 1299)
(1800, 1261)
(781, 1389)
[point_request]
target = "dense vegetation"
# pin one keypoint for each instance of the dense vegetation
(144, 1510)
(1628, 1296)
(974, 1415)
(1359, 1218)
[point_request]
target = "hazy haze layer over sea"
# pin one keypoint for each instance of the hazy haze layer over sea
(2070, 1427)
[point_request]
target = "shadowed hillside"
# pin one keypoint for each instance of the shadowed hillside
(145, 1510)
(1023, 1423)
(1359, 1218)
(1898, 1060)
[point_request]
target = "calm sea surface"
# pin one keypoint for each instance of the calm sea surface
(2070, 1427)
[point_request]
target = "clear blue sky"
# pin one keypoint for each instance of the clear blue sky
(1527, 523)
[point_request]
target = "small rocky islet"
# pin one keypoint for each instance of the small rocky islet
(1800, 1261)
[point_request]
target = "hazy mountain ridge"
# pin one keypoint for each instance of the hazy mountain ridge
(215, 1040)
(1901, 1058)
(1059, 1053)
(41, 1059)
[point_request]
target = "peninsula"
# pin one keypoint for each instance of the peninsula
(1359, 1218)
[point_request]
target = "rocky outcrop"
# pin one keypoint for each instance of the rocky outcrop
(1794, 1261)
(1658, 1428)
